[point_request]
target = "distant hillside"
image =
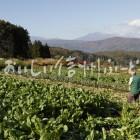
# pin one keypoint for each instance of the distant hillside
(116, 43)
(123, 57)
(57, 52)
(120, 57)
(111, 44)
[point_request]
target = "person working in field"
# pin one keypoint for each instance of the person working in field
(134, 85)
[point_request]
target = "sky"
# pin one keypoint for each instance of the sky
(70, 19)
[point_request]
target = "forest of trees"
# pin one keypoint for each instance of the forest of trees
(15, 43)
(38, 50)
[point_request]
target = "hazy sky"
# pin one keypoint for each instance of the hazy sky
(69, 18)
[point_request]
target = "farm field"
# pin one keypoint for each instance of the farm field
(37, 109)
(85, 77)
(53, 106)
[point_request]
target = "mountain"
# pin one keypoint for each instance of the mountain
(108, 44)
(95, 36)
(67, 44)
(89, 37)
(115, 43)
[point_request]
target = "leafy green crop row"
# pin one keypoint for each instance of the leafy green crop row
(115, 81)
(30, 110)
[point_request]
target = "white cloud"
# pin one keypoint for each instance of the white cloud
(135, 22)
(125, 29)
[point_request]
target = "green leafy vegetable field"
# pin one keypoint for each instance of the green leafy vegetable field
(30, 110)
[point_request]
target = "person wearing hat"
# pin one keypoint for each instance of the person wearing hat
(134, 85)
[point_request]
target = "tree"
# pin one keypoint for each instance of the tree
(45, 52)
(39, 50)
(14, 40)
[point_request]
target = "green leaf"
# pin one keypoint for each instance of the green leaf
(65, 128)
